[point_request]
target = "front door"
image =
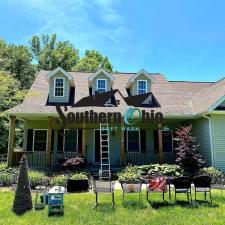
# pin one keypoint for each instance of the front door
(97, 145)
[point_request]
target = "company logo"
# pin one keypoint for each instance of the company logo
(132, 116)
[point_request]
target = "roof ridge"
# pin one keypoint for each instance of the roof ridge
(191, 81)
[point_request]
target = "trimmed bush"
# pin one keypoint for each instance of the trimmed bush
(59, 180)
(36, 178)
(214, 173)
(74, 163)
(131, 174)
(79, 176)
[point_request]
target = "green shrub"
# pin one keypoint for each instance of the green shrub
(214, 173)
(3, 166)
(136, 173)
(79, 176)
(130, 174)
(36, 178)
(7, 179)
(165, 169)
(59, 180)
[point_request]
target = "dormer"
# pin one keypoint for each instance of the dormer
(61, 84)
(139, 83)
(100, 82)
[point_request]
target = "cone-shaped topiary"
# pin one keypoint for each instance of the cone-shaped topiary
(23, 198)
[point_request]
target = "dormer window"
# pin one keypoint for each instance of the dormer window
(101, 85)
(59, 84)
(141, 87)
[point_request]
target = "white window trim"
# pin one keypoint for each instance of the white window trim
(146, 84)
(139, 150)
(76, 150)
(33, 150)
(63, 86)
(105, 84)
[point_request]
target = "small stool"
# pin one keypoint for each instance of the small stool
(42, 191)
(55, 200)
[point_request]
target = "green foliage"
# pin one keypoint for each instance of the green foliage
(165, 169)
(51, 54)
(59, 180)
(214, 173)
(8, 175)
(136, 173)
(92, 61)
(130, 175)
(17, 61)
(36, 178)
(79, 176)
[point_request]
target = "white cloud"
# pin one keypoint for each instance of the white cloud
(96, 24)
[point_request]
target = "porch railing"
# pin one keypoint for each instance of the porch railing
(56, 156)
(38, 159)
(34, 159)
(142, 158)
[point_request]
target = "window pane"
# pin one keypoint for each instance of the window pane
(40, 140)
(133, 141)
(59, 87)
(167, 141)
(142, 87)
(70, 144)
(101, 86)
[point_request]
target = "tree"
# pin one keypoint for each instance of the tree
(17, 61)
(23, 199)
(92, 61)
(51, 54)
(187, 151)
(10, 96)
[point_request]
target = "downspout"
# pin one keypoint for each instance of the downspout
(210, 135)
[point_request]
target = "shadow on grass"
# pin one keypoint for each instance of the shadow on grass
(105, 207)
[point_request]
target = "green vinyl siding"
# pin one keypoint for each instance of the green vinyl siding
(218, 137)
(201, 131)
(52, 98)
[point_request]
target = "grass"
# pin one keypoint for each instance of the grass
(78, 210)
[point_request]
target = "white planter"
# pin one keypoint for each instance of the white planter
(131, 188)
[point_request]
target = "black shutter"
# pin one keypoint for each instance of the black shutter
(79, 140)
(143, 140)
(156, 141)
(60, 140)
(125, 141)
(52, 141)
(30, 139)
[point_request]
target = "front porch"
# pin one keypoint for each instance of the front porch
(152, 146)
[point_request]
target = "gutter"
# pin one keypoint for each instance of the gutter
(211, 141)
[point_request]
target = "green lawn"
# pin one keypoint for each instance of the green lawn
(78, 210)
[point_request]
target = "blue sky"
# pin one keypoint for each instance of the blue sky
(183, 39)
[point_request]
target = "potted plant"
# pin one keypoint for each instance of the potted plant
(130, 181)
(78, 183)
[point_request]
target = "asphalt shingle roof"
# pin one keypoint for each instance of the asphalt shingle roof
(174, 97)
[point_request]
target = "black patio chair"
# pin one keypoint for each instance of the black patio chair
(100, 186)
(202, 183)
(182, 185)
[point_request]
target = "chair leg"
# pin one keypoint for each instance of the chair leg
(210, 195)
(147, 195)
(205, 195)
(123, 200)
(188, 196)
(96, 200)
(113, 202)
(175, 194)
(163, 196)
(195, 195)
(169, 192)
